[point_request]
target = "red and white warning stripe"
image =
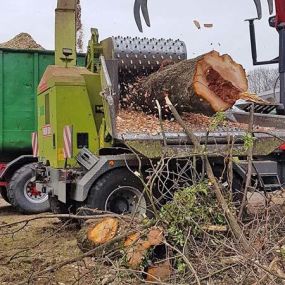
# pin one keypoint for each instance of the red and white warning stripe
(35, 144)
(67, 138)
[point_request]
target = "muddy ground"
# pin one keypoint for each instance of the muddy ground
(43, 243)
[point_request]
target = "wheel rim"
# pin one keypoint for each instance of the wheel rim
(126, 200)
(32, 194)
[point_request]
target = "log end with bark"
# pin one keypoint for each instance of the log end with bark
(96, 234)
(219, 81)
(207, 84)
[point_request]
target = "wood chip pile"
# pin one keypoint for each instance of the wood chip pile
(130, 121)
(22, 41)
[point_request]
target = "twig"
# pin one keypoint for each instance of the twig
(263, 279)
(160, 122)
(66, 216)
(218, 271)
(187, 261)
(249, 164)
(189, 133)
(78, 258)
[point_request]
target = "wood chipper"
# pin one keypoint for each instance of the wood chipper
(85, 159)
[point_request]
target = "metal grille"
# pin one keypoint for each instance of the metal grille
(146, 55)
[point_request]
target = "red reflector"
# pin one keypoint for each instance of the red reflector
(282, 147)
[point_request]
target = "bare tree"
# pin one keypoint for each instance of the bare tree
(262, 79)
(79, 27)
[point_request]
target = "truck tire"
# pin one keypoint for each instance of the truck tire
(4, 195)
(119, 191)
(23, 194)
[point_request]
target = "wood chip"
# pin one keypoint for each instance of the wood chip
(197, 24)
(130, 121)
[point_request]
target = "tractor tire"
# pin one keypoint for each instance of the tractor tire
(23, 194)
(119, 191)
(57, 207)
(3, 191)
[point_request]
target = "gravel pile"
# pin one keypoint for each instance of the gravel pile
(22, 41)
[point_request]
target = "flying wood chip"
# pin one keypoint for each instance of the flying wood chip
(197, 24)
(208, 25)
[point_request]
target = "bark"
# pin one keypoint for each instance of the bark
(79, 27)
(207, 84)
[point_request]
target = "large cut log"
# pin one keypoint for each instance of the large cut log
(207, 84)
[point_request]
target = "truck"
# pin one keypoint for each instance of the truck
(84, 160)
(20, 73)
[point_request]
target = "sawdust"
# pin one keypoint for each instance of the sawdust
(22, 41)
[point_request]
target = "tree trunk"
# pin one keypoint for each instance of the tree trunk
(207, 84)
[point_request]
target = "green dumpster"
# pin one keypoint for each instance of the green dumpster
(20, 73)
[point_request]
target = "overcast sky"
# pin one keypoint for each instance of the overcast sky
(169, 19)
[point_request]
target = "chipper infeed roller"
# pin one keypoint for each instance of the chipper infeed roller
(143, 55)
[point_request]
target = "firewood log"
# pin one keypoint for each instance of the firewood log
(207, 84)
(135, 245)
(97, 234)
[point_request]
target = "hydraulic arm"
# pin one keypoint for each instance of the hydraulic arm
(277, 21)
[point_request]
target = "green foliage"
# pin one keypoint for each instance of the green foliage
(217, 120)
(191, 208)
(180, 265)
(248, 141)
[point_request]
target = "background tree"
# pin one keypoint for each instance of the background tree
(262, 79)
(79, 27)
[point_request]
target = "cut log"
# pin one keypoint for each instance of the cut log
(97, 234)
(159, 272)
(104, 231)
(207, 84)
(137, 247)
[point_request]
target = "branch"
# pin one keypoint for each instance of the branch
(186, 260)
(78, 258)
(65, 216)
(249, 164)
(235, 227)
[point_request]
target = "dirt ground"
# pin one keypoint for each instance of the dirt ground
(27, 249)
(40, 244)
